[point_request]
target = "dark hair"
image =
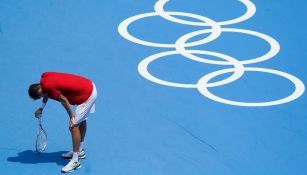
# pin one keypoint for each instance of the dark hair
(33, 91)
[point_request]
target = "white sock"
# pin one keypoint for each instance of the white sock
(81, 146)
(75, 156)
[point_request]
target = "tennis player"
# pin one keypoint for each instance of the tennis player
(69, 90)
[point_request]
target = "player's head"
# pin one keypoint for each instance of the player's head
(35, 91)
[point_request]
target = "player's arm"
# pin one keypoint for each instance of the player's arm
(45, 100)
(64, 101)
(39, 111)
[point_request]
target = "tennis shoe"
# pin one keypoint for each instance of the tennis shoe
(71, 166)
(68, 155)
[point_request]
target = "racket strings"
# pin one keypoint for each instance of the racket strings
(41, 141)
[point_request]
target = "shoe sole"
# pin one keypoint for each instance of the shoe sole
(72, 169)
(80, 157)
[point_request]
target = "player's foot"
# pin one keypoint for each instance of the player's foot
(68, 155)
(71, 166)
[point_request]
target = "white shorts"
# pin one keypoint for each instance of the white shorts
(83, 110)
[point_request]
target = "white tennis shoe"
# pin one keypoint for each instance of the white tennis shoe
(68, 155)
(71, 166)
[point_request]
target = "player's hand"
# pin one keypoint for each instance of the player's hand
(38, 112)
(72, 122)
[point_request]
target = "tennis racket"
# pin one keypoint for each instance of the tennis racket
(41, 138)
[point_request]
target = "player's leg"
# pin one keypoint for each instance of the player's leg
(82, 128)
(74, 163)
(76, 138)
(77, 134)
(80, 121)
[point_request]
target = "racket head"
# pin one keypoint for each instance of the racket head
(41, 139)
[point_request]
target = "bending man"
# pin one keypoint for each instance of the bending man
(69, 90)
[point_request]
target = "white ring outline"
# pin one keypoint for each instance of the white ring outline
(143, 69)
(274, 46)
(123, 30)
(250, 11)
(299, 88)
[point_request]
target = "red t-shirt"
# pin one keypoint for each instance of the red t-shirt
(75, 88)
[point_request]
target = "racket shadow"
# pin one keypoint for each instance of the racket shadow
(31, 157)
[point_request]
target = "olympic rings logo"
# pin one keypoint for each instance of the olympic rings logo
(181, 45)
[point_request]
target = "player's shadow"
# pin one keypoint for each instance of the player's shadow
(31, 157)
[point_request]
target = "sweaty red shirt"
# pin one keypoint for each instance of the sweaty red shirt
(75, 88)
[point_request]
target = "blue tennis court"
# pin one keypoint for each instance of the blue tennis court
(184, 87)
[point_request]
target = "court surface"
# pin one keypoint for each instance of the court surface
(198, 87)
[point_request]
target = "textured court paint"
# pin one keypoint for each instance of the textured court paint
(141, 127)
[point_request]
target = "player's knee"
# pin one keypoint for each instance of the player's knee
(74, 127)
